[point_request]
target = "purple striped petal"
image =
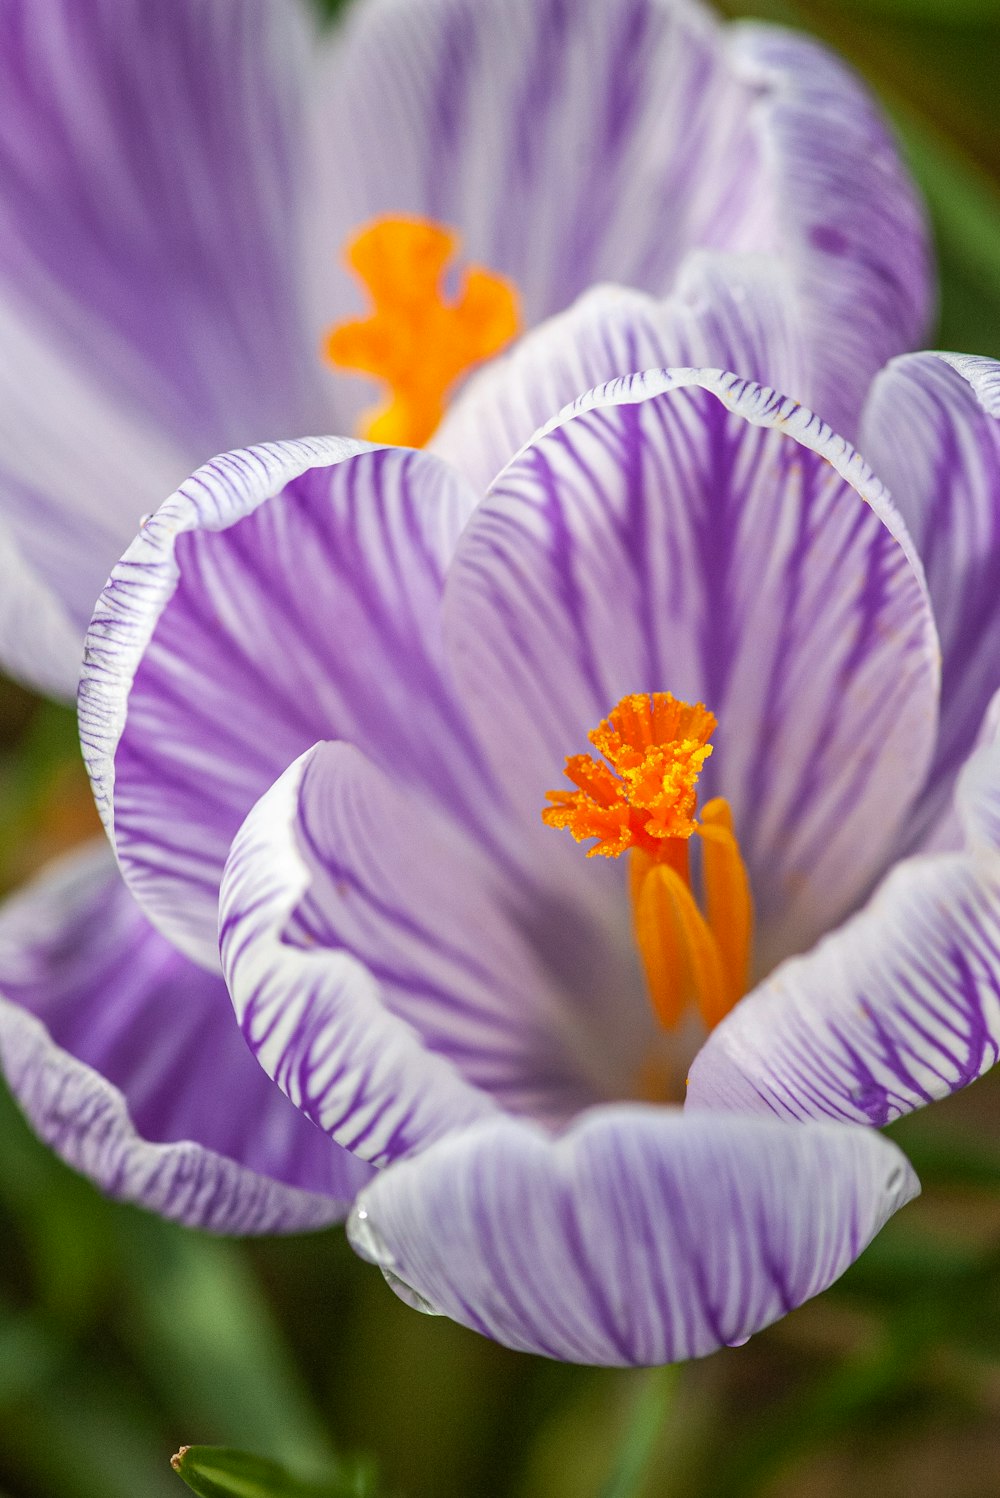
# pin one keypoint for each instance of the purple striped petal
(641, 1236)
(285, 594)
(847, 216)
(899, 1007)
(575, 141)
(38, 642)
(152, 184)
(472, 113)
(77, 471)
(129, 1063)
(977, 792)
(932, 432)
(478, 959)
(695, 534)
(726, 312)
(322, 1025)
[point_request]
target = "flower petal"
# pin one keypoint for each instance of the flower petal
(285, 594)
(321, 1024)
(932, 431)
(849, 220)
(899, 1007)
(469, 113)
(473, 955)
(152, 176)
(688, 532)
(726, 312)
(575, 143)
(129, 1063)
(38, 642)
(640, 1236)
(977, 792)
(77, 471)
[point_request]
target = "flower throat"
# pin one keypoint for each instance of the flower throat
(641, 798)
(415, 339)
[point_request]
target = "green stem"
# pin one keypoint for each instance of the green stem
(652, 1407)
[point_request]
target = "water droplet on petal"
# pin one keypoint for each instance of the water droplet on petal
(365, 1239)
(409, 1296)
(738, 1342)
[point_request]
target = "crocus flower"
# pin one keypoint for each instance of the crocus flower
(176, 186)
(770, 687)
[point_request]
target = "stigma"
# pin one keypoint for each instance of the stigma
(416, 339)
(641, 797)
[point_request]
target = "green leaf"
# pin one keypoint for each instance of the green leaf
(209, 1342)
(222, 1472)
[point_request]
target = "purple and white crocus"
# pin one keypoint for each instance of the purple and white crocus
(409, 647)
(176, 183)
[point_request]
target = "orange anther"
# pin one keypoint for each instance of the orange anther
(655, 747)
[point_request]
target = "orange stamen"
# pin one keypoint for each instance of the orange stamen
(415, 340)
(655, 747)
(728, 903)
(641, 797)
(680, 956)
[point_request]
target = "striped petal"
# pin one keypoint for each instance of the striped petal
(692, 533)
(899, 1007)
(932, 432)
(128, 1062)
(38, 643)
(285, 594)
(640, 1236)
(76, 473)
(152, 184)
(849, 221)
(726, 312)
(574, 142)
(486, 965)
(337, 1037)
(977, 792)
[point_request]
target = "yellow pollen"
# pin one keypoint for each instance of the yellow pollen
(415, 340)
(641, 797)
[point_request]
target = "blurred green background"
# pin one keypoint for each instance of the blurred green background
(122, 1337)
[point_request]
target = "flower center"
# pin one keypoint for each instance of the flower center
(641, 797)
(416, 339)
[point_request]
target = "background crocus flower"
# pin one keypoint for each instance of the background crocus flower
(176, 188)
(446, 986)
(176, 191)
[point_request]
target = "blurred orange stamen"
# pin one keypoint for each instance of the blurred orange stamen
(415, 339)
